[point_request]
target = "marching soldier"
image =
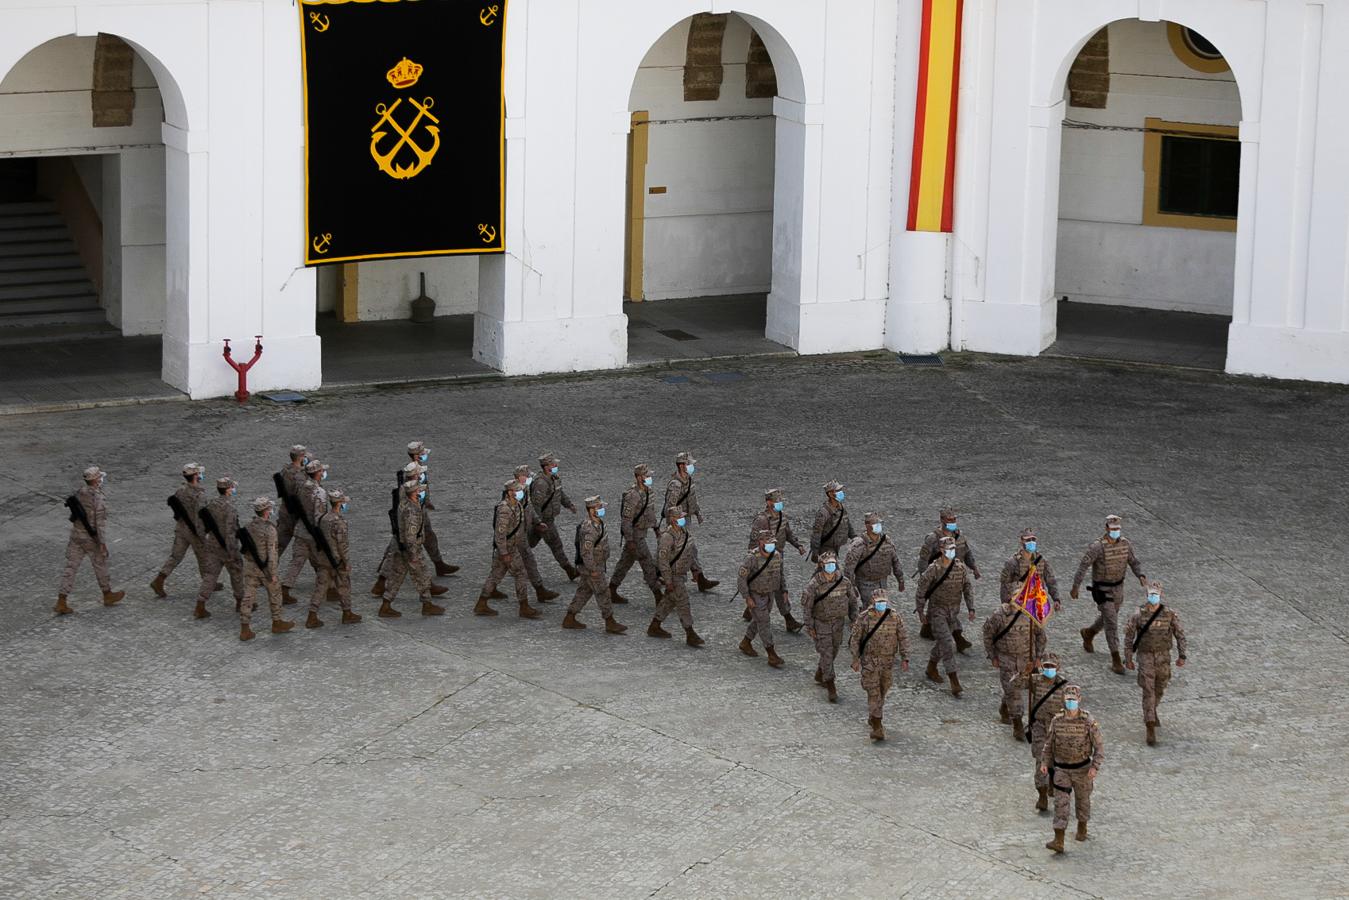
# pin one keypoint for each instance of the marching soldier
(1148, 636)
(408, 560)
(832, 529)
(1071, 757)
(1107, 558)
(527, 479)
(931, 550)
(508, 546)
(334, 563)
(760, 578)
(546, 500)
(592, 558)
(639, 517)
(219, 545)
(417, 472)
(288, 482)
(1012, 641)
(418, 453)
(877, 635)
(88, 537)
(680, 493)
(675, 553)
(261, 555)
(774, 520)
(186, 503)
(1017, 569)
(1045, 691)
(828, 600)
(940, 589)
(872, 559)
(311, 501)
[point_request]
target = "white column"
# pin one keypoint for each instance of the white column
(140, 215)
(185, 252)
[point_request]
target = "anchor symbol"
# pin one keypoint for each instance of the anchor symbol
(489, 15)
(488, 233)
(424, 157)
(322, 242)
(319, 22)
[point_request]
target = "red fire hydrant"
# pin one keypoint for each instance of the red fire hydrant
(242, 394)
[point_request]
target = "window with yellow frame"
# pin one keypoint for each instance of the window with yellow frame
(1191, 175)
(1195, 50)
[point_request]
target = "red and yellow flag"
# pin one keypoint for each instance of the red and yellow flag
(1033, 599)
(932, 183)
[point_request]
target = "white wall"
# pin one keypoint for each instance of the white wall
(386, 288)
(712, 231)
(1104, 252)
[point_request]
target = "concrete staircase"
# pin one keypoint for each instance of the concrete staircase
(42, 279)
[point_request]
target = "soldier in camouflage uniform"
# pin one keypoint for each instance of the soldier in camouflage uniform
(312, 501)
(88, 537)
(760, 577)
(418, 453)
(832, 529)
(417, 472)
(333, 573)
(260, 563)
(508, 551)
(186, 526)
(1012, 642)
(1107, 558)
(771, 518)
(1017, 569)
(546, 500)
(1044, 692)
(526, 477)
(1148, 635)
(409, 560)
(872, 558)
(219, 545)
(675, 553)
(592, 554)
(291, 478)
(1071, 757)
(638, 517)
(931, 550)
(680, 493)
(828, 600)
(940, 589)
(877, 635)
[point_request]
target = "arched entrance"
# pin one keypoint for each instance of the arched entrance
(714, 180)
(1149, 180)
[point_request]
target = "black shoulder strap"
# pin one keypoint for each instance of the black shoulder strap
(1138, 638)
(1058, 683)
(646, 499)
(576, 542)
(833, 587)
(250, 547)
(759, 571)
(674, 559)
(837, 522)
(938, 583)
(862, 646)
(1008, 627)
(874, 550)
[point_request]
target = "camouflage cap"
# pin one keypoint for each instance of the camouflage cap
(412, 471)
(593, 502)
(411, 486)
(773, 494)
(1028, 534)
(415, 448)
(336, 496)
(1113, 521)
(765, 536)
(92, 473)
(674, 512)
(262, 504)
(549, 458)
(1072, 690)
(641, 470)
(522, 470)
(224, 483)
(827, 556)
(315, 466)
(1050, 659)
(190, 469)
(512, 486)
(948, 514)
(1154, 586)
(879, 594)
(298, 450)
(946, 543)
(872, 518)
(684, 457)
(831, 486)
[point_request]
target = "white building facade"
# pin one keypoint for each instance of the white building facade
(670, 148)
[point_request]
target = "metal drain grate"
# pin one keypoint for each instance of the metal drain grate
(679, 334)
(928, 359)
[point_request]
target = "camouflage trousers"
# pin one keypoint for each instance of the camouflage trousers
(760, 623)
(828, 638)
(677, 599)
(516, 568)
(182, 542)
(80, 546)
(285, 529)
(1038, 732)
(640, 553)
(531, 564)
(253, 580)
(429, 539)
(945, 623)
(328, 577)
(1107, 618)
(1154, 674)
(587, 587)
(1071, 785)
(876, 680)
(865, 588)
(402, 564)
(1013, 694)
(213, 559)
(303, 552)
(554, 542)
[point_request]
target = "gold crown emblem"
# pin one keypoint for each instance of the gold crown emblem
(405, 74)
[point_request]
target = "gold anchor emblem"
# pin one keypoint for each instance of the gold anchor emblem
(424, 156)
(489, 14)
(488, 233)
(320, 22)
(322, 242)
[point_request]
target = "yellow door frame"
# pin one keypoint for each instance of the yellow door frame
(633, 259)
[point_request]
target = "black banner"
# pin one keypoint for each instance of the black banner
(404, 128)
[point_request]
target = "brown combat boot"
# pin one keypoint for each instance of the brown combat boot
(377, 589)
(572, 572)
(955, 683)
(1152, 734)
(313, 621)
(706, 584)
(932, 673)
(431, 609)
(437, 589)
(833, 693)
(201, 612)
(349, 617)
(1042, 801)
(62, 608)
(1087, 637)
(281, 626)
(286, 598)
(482, 609)
(112, 598)
(692, 639)
(386, 610)
(961, 644)
(654, 630)
(569, 621)
(246, 633)
(444, 568)
(925, 632)
(792, 624)
(773, 659)
(544, 594)
(1018, 730)
(1057, 844)
(615, 596)
(1081, 831)
(496, 595)
(877, 732)
(1115, 665)
(1003, 717)
(527, 611)
(747, 647)
(819, 675)
(158, 586)
(613, 626)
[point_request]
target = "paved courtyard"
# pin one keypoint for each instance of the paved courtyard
(150, 755)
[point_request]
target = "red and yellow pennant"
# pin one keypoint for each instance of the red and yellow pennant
(1033, 599)
(932, 183)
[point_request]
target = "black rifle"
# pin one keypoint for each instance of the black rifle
(251, 548)
(209, 521)
(180, 514)
(288, 500)
(321, 541)
(77, 514)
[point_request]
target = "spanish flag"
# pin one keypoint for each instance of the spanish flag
(932, 183)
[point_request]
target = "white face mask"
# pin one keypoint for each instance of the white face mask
(950, 554)
(519, 495)
(876, 528)
(691, 468)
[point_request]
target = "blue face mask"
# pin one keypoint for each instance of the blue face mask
(425, 456)
(529, 481)
(519, 495)
(839, 495)
(600, 512)
(421, 479)
(1114, 535)
(876, 528)
(690, 468)
(1030, 546)
(952, 526)
(777, 506)
(1050, 671)
(950, 554)
(681, 521)
(769, 547)
(343, 507)
(421, 495)
(305, 461)
(1154, 599)
(324, 476)
(647, 481)
(831, 568)
(1070, 705)
(881, 606)
(553, 470)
